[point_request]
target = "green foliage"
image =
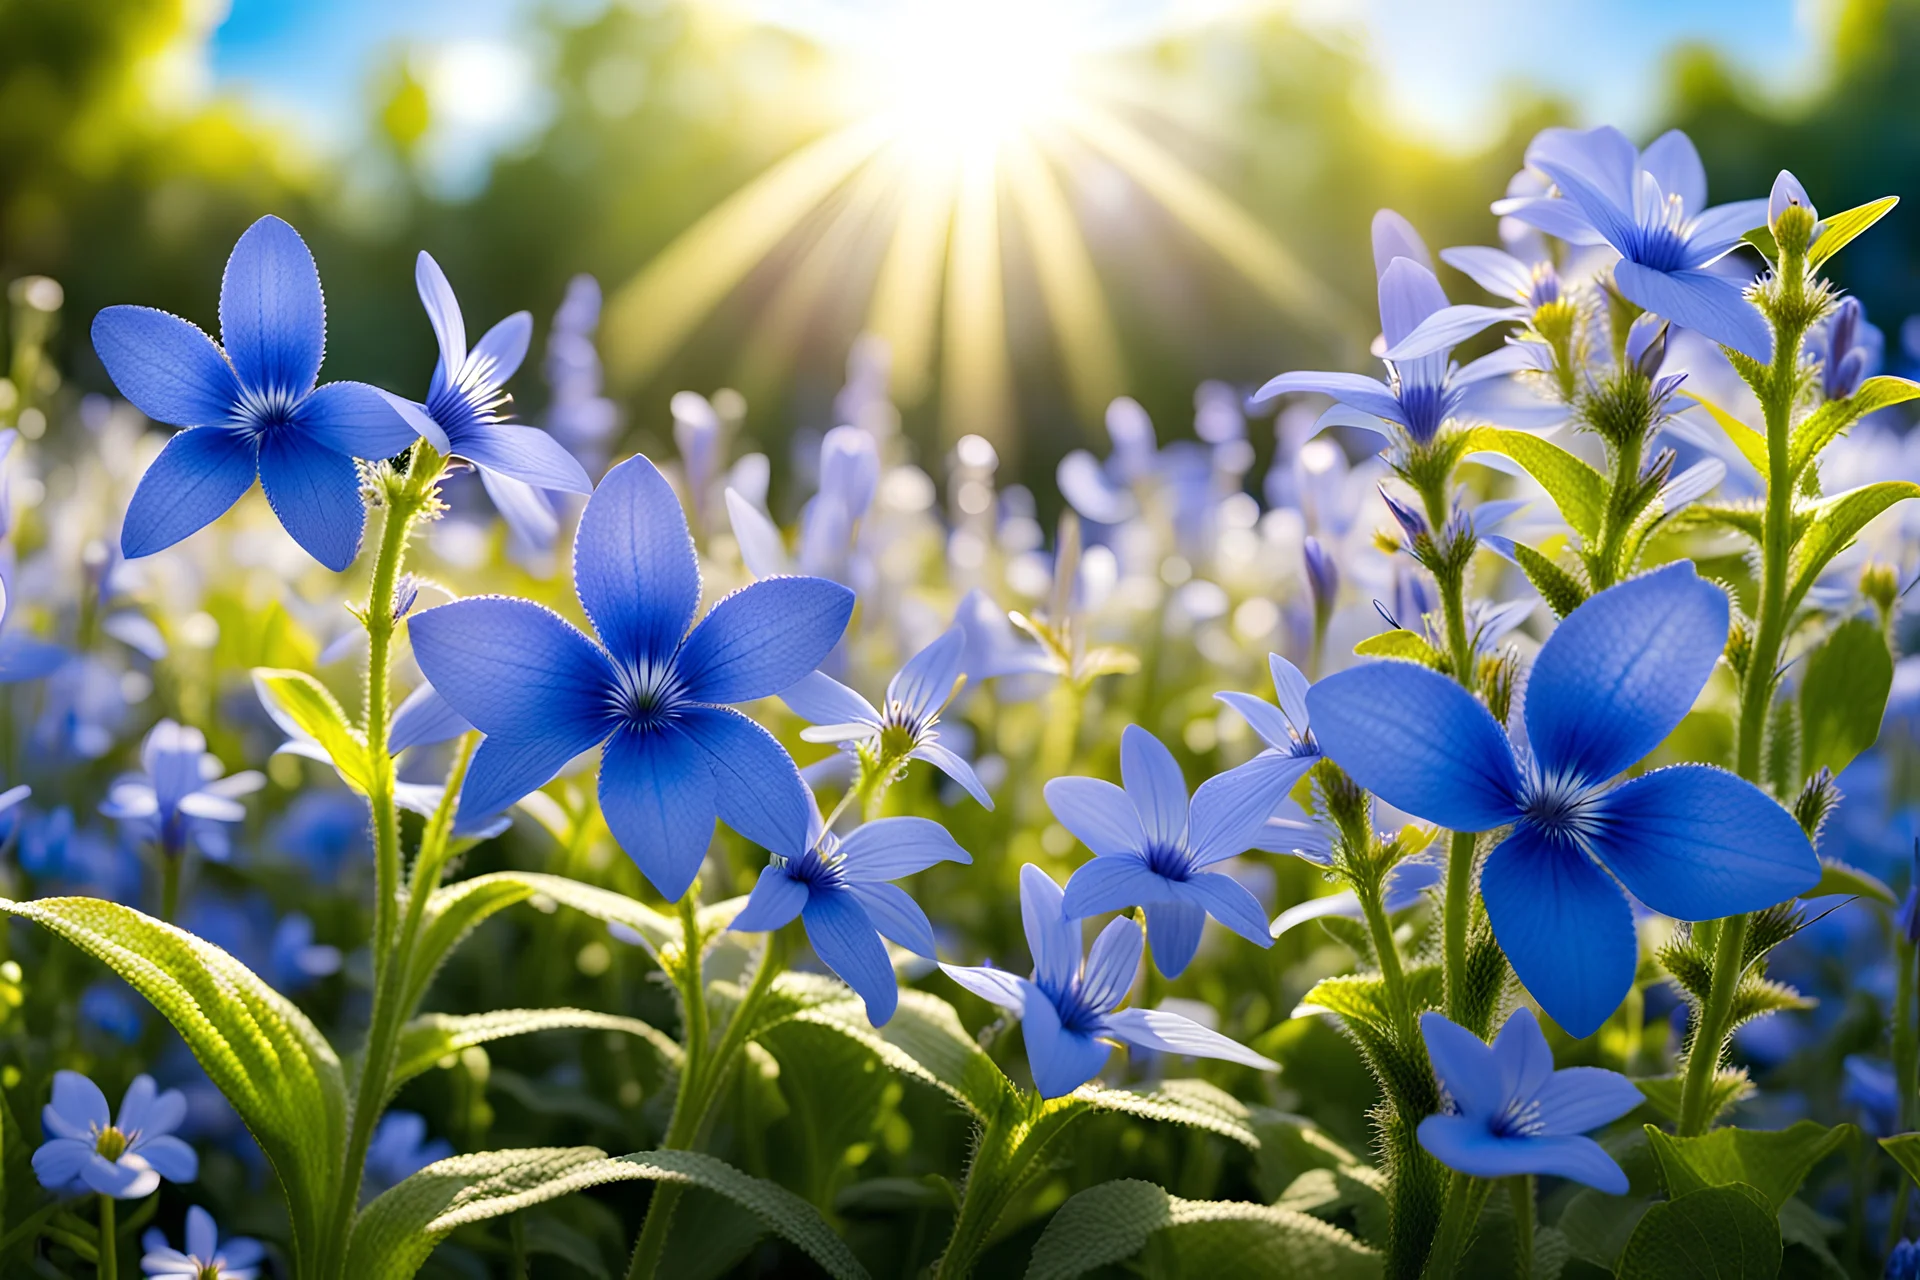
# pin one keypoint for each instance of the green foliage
(1115, 1221)
(273, 1065)
(1905, 1149)
(396, 1232)
(1577, 489)
(1835, 232)
(1836, 877)
(924, 1041)
(434, 1036)
(1825, 424)
(1405, 645)
(1772, 1162)
(311, 706)
(1730, 1085)
(1836, 521)
(1844, 695)
(1751, 444)
(1561, 590)
(1716, 1233)
(1193, 1103)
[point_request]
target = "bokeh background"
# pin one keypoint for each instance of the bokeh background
(1038, 206)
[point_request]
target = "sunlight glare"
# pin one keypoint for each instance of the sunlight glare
(957, 77)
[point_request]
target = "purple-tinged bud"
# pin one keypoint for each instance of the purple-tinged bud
(1787, 194)
(1323, 575)
(1848, 358)
(405, 593)
(1411, 522)
(1647, 344)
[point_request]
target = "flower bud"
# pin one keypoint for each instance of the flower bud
(1411, 522)
(1647, 344)
(1880, 584)
(1790, 214)
(1323, 576)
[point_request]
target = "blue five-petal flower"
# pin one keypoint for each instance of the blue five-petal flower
(1690, 841)
(1069, 1009)
(1151, 849)
(206, 1256)
(89, 1149)
(838, 887)
(652, 692)
(1651, 207)
(1512, 1113)
(908, 728)
(251, 409)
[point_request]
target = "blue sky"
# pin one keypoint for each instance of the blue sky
(1449, 65)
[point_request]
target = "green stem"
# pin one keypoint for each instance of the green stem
(109, 1241)
(1710, 1036)
(170, 884)
(1906, 1070)
(1387, 952)
(1606, 569)
(1458, 906)
(1520, 1192)
(1465, 1196)
(1007, 1157)
(688, 1096)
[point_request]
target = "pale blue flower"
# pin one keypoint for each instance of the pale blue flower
(206, 1256)
(90, 1149)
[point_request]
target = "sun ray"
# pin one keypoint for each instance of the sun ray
(905, 309)
(976, 383)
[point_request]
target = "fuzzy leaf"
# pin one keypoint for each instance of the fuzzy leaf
(1561, 590)
(1825, 423)
(1772, 1162)
(1326, 1193)
(273, 1065)
(312, 707)
(1110, 1223)
(1190, 1102)
(1837, 877)
(1836, 523)
(1715, 1233)
(1844, 695)
(1403, 644)
(923, 1040)
(1751, 444)
(1730, 1085)
(1575, 487)
(433, 1036)
(394, 1234)
(1834, 233)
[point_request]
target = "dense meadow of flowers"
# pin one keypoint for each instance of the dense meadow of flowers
(1464, 849)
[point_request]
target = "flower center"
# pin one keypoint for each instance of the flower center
(1169, 860)
(1423, 407)
(900, 731)
(111, 1143)
(261, 409)
(1520, 1118)
(1663, 239)
(647, 694)
(1561, 806)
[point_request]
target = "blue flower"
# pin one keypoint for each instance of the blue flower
(838, 887)
(849, 476)
(113, 1008)
(1151, 850)
(1847, 347)
(1651, 207)
(181, 799)
(23, 657)
(908, 728)
(1870, 1085)
(1689, 841)
(322, 829)
(399, 1149)
(1423, 388)
(1904, 1262)
(88, 1149)
(1070, 1010)
(250, 409)
(205, 1257)
(674, 755)
(1510, 1112)
(578, 415)
(463, 414)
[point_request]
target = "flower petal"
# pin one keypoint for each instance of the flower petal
(1675, 165)
(763, 638)
(506, 769)
(761, 548)
(1697, 843)
(1395, 237)
(200, 473)
(1113, 882)
(844, 939)
(1448, 327)
(1722, 227)
(1465, 1066)
(924, 683)
(757, 786)
(1619, 673)
(526, 454)
(1061, 1060)
(1173, 931)
(950, 763)
(1494, 270)
(1052, 936)
(1112, 964)
(1097, 813)
(820, 699)
(996, 986)
(1356, 391)
(1344, 903)
(424, 718)
(355, 419)
(1564, 925)
(1290, 687)
(1154, 785)
(272, 317)
(1267, 720)
(128, 1178)
(1466, 1145)
(657, 791)
(514, 668)
(1418, 741)
(1229, 902)
(499, 353)
(1521, 1055)
(171, 1158)
(316, 494)
(896, 916)
(1580, 1099)
(1165, 1032)
(1230, 809)
(1700, 300)
(776, 899)
(165, 366)
(77, 1107)
(58, 1161)
(634, 565)
(1608, 212)
(443, 311)
(889, 848)
(417, 418)
(203, 1238)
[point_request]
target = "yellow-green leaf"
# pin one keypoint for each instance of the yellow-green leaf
(1825, 423)
(1402, 644)
(1836, 523)
(305, 708)
(434, 1036)
(1833, 233)
(1751, 444)
(1576, 488)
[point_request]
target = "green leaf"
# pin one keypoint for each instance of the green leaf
(1905, 1149)
(1836, 522)
(395, 1233)
(1843, 696)
(433, 1036)
(1730, 1085)
(312, 708)
(1291, 1145)
(1837, 877)
(1402, 644)
(924, 1040)
(1751, 444)
(1561, 590)
(273, 1065)
(1326, 1193)
(1772, 1162)
(1833, 233)
(1745, 518)
(1190, 1102)
(1575, 487)
(1716, 1233)
(1112, 1222)
(1830, 419)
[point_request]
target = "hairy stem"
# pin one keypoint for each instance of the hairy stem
(1520, 1192)
(687, 1099)
(1458, 906)
(1465, 1196)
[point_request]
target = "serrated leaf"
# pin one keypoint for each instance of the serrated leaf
(1112, 1222)
(1561, 590)
(433, 1036)
(1745, 518)
(1751, 444)
(924, 1040)
(1404, 645)
(394, 1234)
(273, 1065)
(1836, 523)
(1833, 234)
(1837, 877)
(1194, 1103)
(1843, 696)
(1772, 1162)
(1716, 1233)
(1575, 487)
(1905, 1149)
(303, 704)
(1825, 423)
